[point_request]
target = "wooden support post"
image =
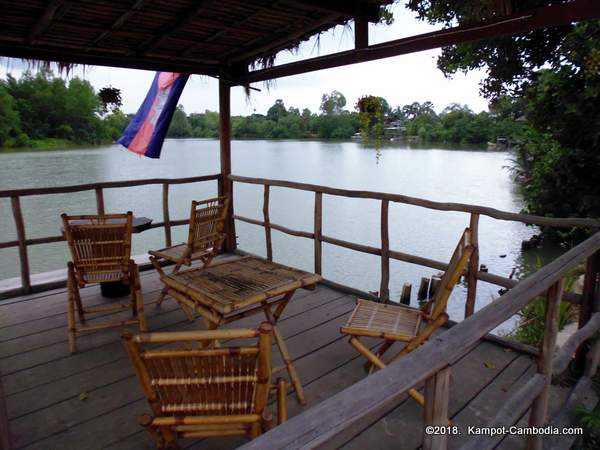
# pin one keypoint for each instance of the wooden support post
(473, 266)
(166, 216)
(225, 141)
(539, 408)
(100, 201)
(361, 32)
(423, 289)
(436, 280)
(590, 302)
(384, 289)
(405, 295)
(318, 230)
(267, 221)
(23, 257)
(437, 390)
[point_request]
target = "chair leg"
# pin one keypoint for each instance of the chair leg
(137, 296)
(282, 406)
(161, 297)
(71, 311)
(379, 353)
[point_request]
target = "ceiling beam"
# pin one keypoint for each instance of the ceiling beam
(44, 22)
(346, 8)
(548, 16)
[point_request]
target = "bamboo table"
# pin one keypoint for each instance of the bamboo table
(225, 292)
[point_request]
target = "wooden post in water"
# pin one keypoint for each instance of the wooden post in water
(423, 289)
(318, 231)
(437, 393)
(166, 215)
(267, 221)
(539, 408)
(226, 185)
(23, 257)
(405, 295)
(590, 302)
(384, 289)
(473, 266)
(100, 201)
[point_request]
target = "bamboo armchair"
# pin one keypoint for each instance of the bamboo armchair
(205, 237)
(394, 323)
(100, 248)
(204, 390)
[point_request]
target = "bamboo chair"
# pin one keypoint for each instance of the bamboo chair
(201, 390)
(205, 237)
(100, 248)
(394, 323)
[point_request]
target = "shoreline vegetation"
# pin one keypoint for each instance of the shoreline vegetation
(43, 112)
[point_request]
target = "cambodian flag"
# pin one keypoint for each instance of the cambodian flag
(146, 132)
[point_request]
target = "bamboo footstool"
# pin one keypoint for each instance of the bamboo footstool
(225, 292)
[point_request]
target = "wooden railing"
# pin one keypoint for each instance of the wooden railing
(337, 420)
(473, 274)
(22, 242)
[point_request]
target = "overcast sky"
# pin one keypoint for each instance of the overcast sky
(400, 80)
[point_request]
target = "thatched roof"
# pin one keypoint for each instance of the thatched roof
(212, 37)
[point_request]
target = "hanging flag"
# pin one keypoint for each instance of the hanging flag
(146, 132)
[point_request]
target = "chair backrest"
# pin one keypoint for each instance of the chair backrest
(186, 381)
(100, 245)
(207, 220)
(456, 267)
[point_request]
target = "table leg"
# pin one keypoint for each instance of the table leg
(210, 325)
(294, 378)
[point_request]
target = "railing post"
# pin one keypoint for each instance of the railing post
(539, 408)
(23, 257)
(384, 289)
(166, 215)
(267, 221)
(590, 302)
(225, 157)
(318, 231)
(100, 201)
(437, 393)
(473, 266)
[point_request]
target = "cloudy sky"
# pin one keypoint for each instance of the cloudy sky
(400, 80)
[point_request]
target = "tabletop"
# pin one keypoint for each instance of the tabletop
(138, 224)
(233, 285)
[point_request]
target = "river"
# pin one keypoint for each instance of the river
(444, 174)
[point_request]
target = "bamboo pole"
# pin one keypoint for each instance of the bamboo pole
(384, 288)
(473, 266)
(23, 257)
(166, 219)
(267, 221)
(318, 230)
(437, 393)
(539, 408)
(100, 201)
(225, 156)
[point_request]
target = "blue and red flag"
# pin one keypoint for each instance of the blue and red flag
(146, 132)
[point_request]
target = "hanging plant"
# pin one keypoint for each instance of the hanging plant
(372, 119)
(110, 98)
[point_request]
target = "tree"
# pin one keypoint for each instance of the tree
(277, 111)
(180, 126)
(332, 103)
(10, 122)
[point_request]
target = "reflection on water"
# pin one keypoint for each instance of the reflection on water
(442, 174)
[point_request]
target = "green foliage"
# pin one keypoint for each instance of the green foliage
(180, 126)
(371, 113)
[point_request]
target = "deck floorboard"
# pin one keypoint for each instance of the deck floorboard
(92, 399)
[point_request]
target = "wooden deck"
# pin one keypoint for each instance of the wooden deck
(92, 399)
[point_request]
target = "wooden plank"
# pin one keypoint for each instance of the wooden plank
(437, 391)
(99, 201)
(5, 434)
(473, 266)
(439, 206)
(368, 400)
(166, 218)
(225, 158)
(267, 221)
(384, 288)
(539, 408)
(318, 231)
(23, 257)
(555, 15)
(565, 353)
(512, 409)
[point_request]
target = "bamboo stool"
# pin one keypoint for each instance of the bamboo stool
(395, 323)
(197, 392)
(228, 291)
(100, 248)
(205, 237)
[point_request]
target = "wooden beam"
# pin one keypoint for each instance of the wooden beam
(384, 287)
(590, 302)
(318, 231)
(346, 8)
(548, 16)
(267, 220)
(437, 393)
(361, 32)
(473, 266)
(225, 155)
(44, 22)
(21, 237)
